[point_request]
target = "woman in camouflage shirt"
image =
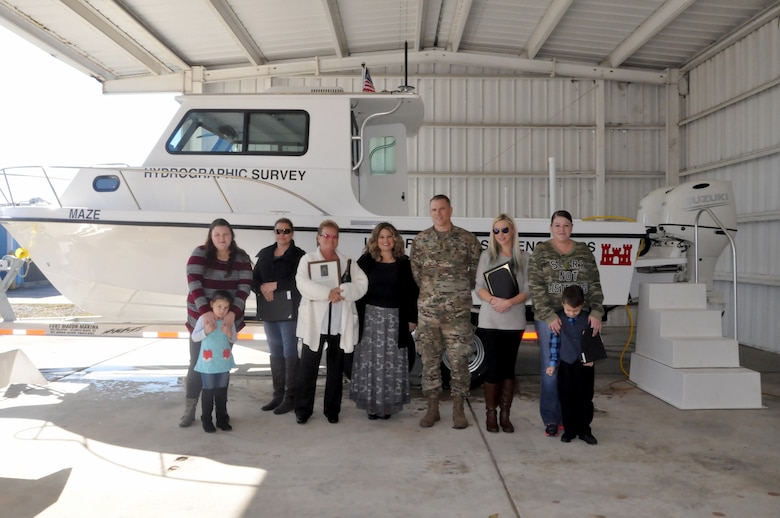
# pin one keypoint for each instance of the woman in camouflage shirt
(554, 265)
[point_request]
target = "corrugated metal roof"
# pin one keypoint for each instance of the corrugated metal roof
(133, 45)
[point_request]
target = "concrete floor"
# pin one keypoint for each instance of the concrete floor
(101, 440)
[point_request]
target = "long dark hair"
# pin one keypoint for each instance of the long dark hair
(211, 250)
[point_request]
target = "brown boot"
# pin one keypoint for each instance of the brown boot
(507, 394)
(490, 404)
(433, 412)
(458, 416)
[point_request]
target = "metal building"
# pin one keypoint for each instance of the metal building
(627, 97)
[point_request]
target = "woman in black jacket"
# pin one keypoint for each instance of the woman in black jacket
(277, 305)
(388, 315)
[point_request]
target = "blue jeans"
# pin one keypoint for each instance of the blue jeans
(281, 338)
(213, 381)
(549, 404)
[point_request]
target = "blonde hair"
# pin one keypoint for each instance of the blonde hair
(494, 247)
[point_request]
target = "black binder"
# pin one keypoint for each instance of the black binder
(501, 282)
(278, 310)
(592, 347)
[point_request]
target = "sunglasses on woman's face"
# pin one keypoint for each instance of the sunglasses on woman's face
(504, 230)
(284, 231)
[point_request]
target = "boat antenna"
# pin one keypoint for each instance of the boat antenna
(405, 87)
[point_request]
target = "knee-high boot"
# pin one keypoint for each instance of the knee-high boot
(220, 400)
(207, 406)
(277, 378)
(291, 373)
(491, 393)
(507, 394)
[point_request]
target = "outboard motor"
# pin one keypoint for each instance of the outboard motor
(670, 227)
(681, 205)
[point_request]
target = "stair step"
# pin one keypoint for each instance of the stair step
(693, 323)
(692, 389)
(691, 352)
(676, 295)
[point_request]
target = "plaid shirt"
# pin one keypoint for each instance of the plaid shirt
(555, 345)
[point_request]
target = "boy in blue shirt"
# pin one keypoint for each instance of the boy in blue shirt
(575, 379)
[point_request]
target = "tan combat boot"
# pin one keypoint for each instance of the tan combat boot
(458, 416)
(433, 412)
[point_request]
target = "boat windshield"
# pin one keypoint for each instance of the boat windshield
(255, 132)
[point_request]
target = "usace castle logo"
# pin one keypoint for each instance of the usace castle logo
(611, 256)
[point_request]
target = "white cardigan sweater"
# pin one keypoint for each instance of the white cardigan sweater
(314, 302)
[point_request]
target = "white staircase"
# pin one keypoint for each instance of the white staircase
(681, 355)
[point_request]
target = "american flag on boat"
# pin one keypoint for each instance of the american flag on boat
(368, 84)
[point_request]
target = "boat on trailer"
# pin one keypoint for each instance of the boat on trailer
(115, 240)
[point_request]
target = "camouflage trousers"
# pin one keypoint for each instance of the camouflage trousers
(451, 334)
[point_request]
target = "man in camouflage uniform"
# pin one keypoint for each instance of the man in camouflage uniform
(444, 263)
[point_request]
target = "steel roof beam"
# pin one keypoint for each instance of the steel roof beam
(417, 45)
(239, 33)
(545, 27)
(336, 27)
(662, 17)
(41, 37)
(459, 24)
(328, 65)
(331, 65)
(108, 29)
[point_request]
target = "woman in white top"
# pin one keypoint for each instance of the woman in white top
(501, 319)
(327, 319)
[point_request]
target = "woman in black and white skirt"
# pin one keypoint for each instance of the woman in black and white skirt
(388, 315)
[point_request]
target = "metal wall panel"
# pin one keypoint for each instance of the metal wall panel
(494, 136)
(731, 126)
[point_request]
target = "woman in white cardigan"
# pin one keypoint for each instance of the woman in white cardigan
(327, 320)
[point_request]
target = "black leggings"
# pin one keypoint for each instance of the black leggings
(500, 352)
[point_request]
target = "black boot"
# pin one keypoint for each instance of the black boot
(291, 371)
(220, 400)
(277, 378)
(207, 405)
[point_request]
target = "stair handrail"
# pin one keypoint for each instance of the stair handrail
(733, 259)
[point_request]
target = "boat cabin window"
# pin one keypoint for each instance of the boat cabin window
(255, 132)
(382, 155)
(106, 183)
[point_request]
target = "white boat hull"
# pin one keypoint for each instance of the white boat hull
(130, 265)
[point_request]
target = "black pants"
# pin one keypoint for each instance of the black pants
(307, 377)
(575, 390)
(194, 381)
(500, 353)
